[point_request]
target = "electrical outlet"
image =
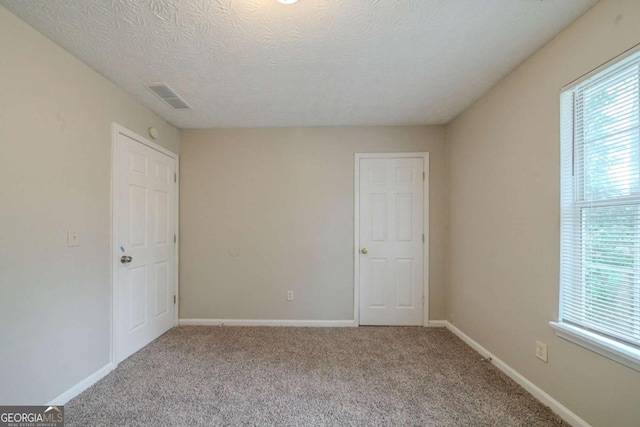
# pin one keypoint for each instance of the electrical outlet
(451, 319)
(289, 295)
(73, 238)
(541, 351)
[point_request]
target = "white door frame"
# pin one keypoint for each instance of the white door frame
(116, 130)
(356, 237)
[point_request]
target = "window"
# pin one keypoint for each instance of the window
(600, 212)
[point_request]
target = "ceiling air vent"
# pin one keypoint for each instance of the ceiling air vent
(169, 96)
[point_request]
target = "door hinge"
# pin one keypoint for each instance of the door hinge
(175, 177)
(422, 299)
(422, 238)
(175, 239)
(424, 176)
(174, 299)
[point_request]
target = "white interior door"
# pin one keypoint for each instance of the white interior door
(391, 205)
(145, 191)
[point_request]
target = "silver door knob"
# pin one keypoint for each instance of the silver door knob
(364, 251)
(125, 259)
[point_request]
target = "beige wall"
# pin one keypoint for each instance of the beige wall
(503, 245)
(283, 199)
(55, 168)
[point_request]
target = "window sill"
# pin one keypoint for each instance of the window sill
(623, 354)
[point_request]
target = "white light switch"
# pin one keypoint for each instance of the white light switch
(541, 351)
(73, 238)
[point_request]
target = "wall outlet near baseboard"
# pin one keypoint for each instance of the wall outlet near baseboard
(289, 295)
(73, 238)
(541, 351)
(451, 318)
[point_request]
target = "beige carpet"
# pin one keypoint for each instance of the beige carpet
(367, 376)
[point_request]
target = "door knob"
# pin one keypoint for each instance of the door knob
(125, 259)
(364, 251)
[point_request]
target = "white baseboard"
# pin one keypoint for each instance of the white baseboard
(436, 324)
(75, 390)
(260, 322)
(536, 391)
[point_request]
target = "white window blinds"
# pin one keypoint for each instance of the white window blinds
(600, 204)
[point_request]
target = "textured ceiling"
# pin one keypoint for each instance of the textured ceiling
(250, 63)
